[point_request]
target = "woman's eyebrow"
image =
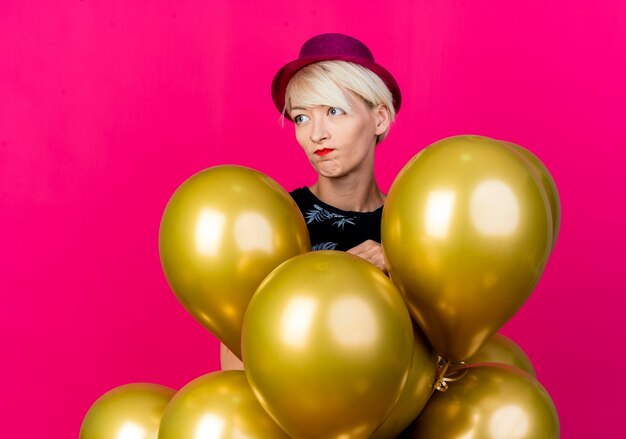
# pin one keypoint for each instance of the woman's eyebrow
(297, 108)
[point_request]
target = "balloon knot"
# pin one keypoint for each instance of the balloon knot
(443, 377)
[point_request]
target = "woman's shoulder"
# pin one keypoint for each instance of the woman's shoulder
(303, 197)
(300, 192)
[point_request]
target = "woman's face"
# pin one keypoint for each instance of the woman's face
(338, 143)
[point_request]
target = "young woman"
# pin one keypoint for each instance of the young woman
(342, 104)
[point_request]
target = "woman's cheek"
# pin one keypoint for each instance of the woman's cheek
(300, 138)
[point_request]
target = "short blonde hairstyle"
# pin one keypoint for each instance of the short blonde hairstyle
(324, 82)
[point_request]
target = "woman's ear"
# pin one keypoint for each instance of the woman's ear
(382, 117)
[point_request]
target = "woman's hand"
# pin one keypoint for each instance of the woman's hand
(372, 252)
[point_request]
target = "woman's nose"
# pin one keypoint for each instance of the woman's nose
(319, 133)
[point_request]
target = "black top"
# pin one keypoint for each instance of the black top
(335, 229)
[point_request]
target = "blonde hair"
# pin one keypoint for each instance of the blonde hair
(325, 82)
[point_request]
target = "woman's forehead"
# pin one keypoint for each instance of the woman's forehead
(310, 99)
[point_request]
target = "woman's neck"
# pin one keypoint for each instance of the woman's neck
(352, 193)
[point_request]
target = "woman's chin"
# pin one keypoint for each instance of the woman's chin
(328, 169)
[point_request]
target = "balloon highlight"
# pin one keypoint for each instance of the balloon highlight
(492, 401)
(466, 232)
(327, 345)
(129, 411)
(222, 232)
(219, 405)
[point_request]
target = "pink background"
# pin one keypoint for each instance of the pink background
(107, 106)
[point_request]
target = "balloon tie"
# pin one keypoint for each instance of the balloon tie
(441, 384)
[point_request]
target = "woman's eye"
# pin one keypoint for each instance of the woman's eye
(335, 111)
(300, 118)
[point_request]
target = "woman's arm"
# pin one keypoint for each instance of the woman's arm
(228, 360)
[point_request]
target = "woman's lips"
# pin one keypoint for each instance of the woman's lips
(323, 152)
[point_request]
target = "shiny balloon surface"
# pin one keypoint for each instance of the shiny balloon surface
(501, 349)
(548, 184)
(416, 391)
(466, 232)
(327, 345)
(491, 401)
(219, 405)
(127, 412)
(222, 232)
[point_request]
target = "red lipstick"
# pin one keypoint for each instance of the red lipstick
(323, 152)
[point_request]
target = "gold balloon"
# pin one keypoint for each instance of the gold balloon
(327, 345)
(219, 405)
(466, 232)
(548, 184)
(129, 411)
(501, 349)
(415, 393)
(222, 232)
(489, 402)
